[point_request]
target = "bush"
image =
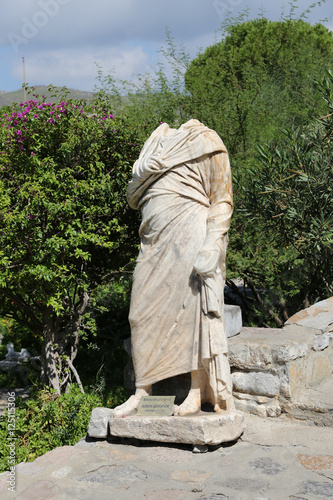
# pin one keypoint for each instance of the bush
(45, 422)
(65, 225)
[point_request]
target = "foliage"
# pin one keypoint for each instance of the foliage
(291, 201)
(10, 379)
(102, 355)
(46, 421)
(64, 221)
(258, 79)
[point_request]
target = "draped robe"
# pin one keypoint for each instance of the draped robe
(182, 185)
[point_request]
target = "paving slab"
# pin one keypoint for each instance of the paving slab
(273, 460)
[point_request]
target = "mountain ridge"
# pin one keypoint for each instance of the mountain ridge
(8, 98)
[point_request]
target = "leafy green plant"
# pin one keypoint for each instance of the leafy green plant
(46, 421)
(101, 356)
(259, 79)
(65, 226)
(291, 200)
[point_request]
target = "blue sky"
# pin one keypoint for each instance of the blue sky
(62, 40)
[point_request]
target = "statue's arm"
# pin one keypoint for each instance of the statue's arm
(212, 254)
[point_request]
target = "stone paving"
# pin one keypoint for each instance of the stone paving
(275, 459)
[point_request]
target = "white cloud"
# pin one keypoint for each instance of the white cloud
(61, 39)
(78, 68)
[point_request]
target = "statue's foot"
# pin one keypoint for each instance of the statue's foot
(126, 408)
(131, 405)
(226, 405)
(190, 406)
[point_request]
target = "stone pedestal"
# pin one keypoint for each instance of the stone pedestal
(204, 428)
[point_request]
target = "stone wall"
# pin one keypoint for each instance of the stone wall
(273, 368)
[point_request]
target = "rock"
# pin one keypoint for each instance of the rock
(321, 342)
(44, 490)
(267, 466)
(201, 429)
(290, 352)
(261, 349)
(323, 489)
(319, 316)
(251, 397)
(274, 410)
(262, 384)
(200, 448)
(314, 405)
(232, 319)
(250, 406)
(12, 355)
(98, 425)
(110, 474)
(320, 368)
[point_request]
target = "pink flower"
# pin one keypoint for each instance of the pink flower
(19, 132)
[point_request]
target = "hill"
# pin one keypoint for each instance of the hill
(7, 98)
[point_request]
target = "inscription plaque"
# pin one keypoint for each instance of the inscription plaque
(154, 406)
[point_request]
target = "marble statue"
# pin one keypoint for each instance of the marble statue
(182, 185)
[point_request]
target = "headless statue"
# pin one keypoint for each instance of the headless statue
(182, 185)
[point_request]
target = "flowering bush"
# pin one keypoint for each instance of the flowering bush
(64, 221)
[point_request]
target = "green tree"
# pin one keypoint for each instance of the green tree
(64, 222)
(291, 202)
(259, 79)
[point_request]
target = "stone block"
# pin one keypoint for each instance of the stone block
(289, 352)
(293, 378)
(250, 406)
(202, 428)
(258, 383)
(99, 422)
(319, 316)
(249, 356)
(321, 369)
(251, 397)
(263, 349)
(232, 319)
(257, 405)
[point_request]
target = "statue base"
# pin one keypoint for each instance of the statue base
(204, 428)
